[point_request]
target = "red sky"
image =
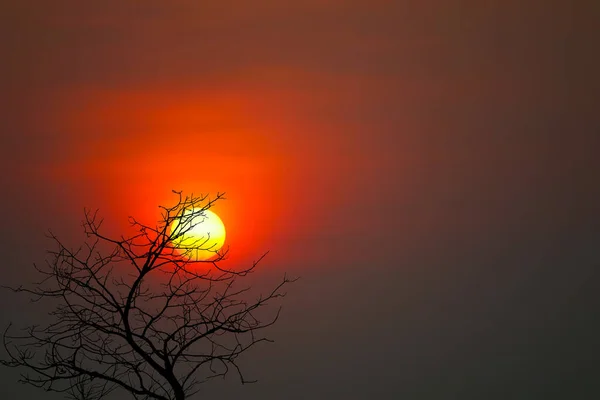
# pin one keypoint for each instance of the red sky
(142, 100)
(432, 160)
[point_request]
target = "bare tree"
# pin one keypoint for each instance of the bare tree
(139, 314)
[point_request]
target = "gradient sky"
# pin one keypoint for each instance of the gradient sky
(429, 168)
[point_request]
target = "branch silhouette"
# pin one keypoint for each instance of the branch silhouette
(139, 314)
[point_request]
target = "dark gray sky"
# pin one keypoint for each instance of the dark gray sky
(428, 168)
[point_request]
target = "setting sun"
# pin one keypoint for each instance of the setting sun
(204, 234)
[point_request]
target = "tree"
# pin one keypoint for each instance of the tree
(139, 314)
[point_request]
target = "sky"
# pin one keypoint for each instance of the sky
(428, 168)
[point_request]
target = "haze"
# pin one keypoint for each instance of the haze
(429, 169)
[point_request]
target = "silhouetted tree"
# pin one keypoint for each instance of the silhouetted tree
(139, 314)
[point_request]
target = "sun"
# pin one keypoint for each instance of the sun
(203, 234)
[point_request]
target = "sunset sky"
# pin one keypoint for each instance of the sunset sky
(429, 169)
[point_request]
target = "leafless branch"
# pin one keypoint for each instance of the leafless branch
(137, 313)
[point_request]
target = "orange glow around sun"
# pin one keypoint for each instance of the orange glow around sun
(138, 146)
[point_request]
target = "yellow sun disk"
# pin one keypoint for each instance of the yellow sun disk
(204, 234)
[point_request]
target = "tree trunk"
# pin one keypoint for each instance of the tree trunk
(179, 394)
